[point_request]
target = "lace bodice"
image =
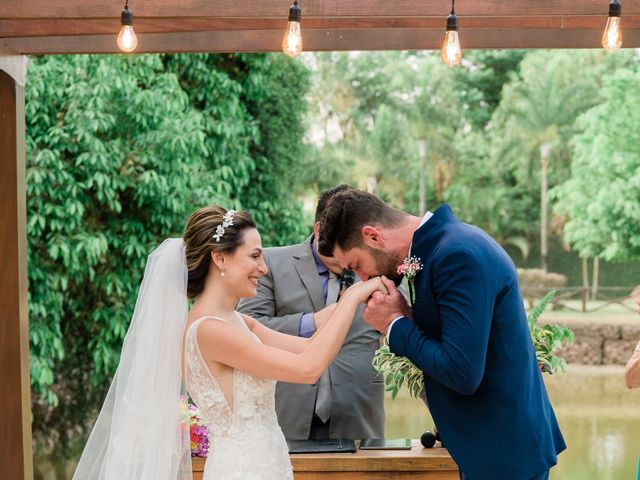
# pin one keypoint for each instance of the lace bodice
(246, 442)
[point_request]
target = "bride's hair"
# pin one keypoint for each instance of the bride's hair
(199, 241)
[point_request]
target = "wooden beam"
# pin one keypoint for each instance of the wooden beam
(106, 26)
(328, 24)
(321, 40)
(310, 8)
(15, 401)
(5, 50)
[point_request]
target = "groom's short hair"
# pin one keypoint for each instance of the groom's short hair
(345, 215)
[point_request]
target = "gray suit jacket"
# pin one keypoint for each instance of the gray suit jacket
(291, 288)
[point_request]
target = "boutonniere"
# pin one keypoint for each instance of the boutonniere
(409, 269)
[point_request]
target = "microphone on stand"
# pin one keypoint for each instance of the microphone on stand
(345, 280)
(429, 439)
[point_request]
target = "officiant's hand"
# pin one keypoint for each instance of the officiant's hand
(383, 309)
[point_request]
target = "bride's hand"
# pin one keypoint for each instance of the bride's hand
(363, 290)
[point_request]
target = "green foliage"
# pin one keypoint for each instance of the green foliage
(480, 80)
(253, 108)
(547, 339)
(385, 102)
(398, 371)
(120, 149)
(498, 186)
(484, 124)
(275, 90)
(602, 197)
(113, 151)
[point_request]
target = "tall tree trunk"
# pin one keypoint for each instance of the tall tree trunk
(594, 282)
(422, 198)
(585, 283)
(372, 184)
(545, 148)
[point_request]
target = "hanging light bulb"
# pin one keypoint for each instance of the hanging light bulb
(451, 52)
(612, 38)
(127, 39)
(292, 42)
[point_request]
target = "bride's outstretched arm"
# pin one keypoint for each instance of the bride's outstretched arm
(224, 343)
(284, 341)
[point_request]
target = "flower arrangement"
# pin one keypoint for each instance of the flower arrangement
(409, 269)
(198, 433)
(399, 371)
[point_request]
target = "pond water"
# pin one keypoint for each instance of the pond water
(599, 417)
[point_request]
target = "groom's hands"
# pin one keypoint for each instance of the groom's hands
(382, 309)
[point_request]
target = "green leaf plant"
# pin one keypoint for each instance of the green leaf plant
(547, 340)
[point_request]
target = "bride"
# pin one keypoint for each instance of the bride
(227, 361)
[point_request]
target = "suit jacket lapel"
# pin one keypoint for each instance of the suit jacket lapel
(306, 267)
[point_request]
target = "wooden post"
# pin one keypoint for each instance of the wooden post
(15, 402)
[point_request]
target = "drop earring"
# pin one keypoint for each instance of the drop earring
(222, 272)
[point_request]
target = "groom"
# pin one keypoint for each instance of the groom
(466, 330)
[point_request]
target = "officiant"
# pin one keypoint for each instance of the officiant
(296, 297)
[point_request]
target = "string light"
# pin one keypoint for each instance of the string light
(612, 37)
(451, 52)
(292, 41)
(127, 39)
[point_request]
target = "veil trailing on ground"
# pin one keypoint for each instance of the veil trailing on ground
(142, 431)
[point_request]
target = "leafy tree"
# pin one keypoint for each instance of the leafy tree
(254, 108)
(119, 151)
(113, 152)
(539, 106)
(275, 94)
(386, 102)
(602, 197)
(480, 80)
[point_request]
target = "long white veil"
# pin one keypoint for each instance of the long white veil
(141, 432)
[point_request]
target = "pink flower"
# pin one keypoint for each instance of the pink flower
(409, 268)
(198, 432)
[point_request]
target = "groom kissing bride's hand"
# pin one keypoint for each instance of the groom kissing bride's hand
(383, 309)
(468, 332)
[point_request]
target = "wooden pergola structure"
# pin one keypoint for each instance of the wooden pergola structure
(35, 27)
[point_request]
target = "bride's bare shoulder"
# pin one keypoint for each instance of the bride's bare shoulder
(248, 321)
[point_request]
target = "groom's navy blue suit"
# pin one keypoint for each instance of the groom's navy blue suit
(470, 337)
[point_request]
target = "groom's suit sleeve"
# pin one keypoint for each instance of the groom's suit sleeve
(462, 286)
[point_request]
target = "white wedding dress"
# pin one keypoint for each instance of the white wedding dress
(246, 442)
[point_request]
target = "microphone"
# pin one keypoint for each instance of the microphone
(428, 439)
(345, 280)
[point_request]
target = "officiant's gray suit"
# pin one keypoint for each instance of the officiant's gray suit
(291, 288)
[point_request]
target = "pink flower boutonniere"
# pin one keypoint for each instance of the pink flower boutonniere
(409, 269)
